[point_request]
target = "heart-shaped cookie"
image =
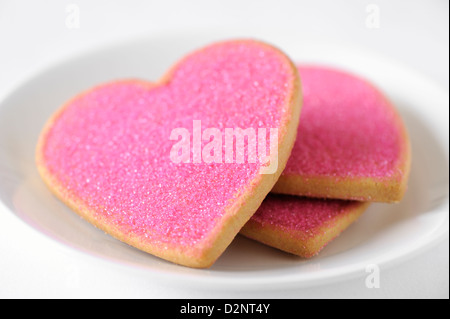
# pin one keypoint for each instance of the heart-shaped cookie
(299, 225)
(352, 143)
(170, 167)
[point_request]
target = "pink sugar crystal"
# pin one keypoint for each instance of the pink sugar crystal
(307, 215)
(110, 147)
(347, 128)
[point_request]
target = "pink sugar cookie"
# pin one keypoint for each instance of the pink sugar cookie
(300, 225)
(107, 153)
(351, 142)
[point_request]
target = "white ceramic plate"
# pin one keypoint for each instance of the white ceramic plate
(385, 234)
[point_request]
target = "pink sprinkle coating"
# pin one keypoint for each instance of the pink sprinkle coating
(110, 147)
(347, 128)
(301, 214)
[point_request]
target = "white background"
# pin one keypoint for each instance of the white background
(34, 34)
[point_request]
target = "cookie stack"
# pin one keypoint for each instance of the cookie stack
(235, 138)
(351, 149)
